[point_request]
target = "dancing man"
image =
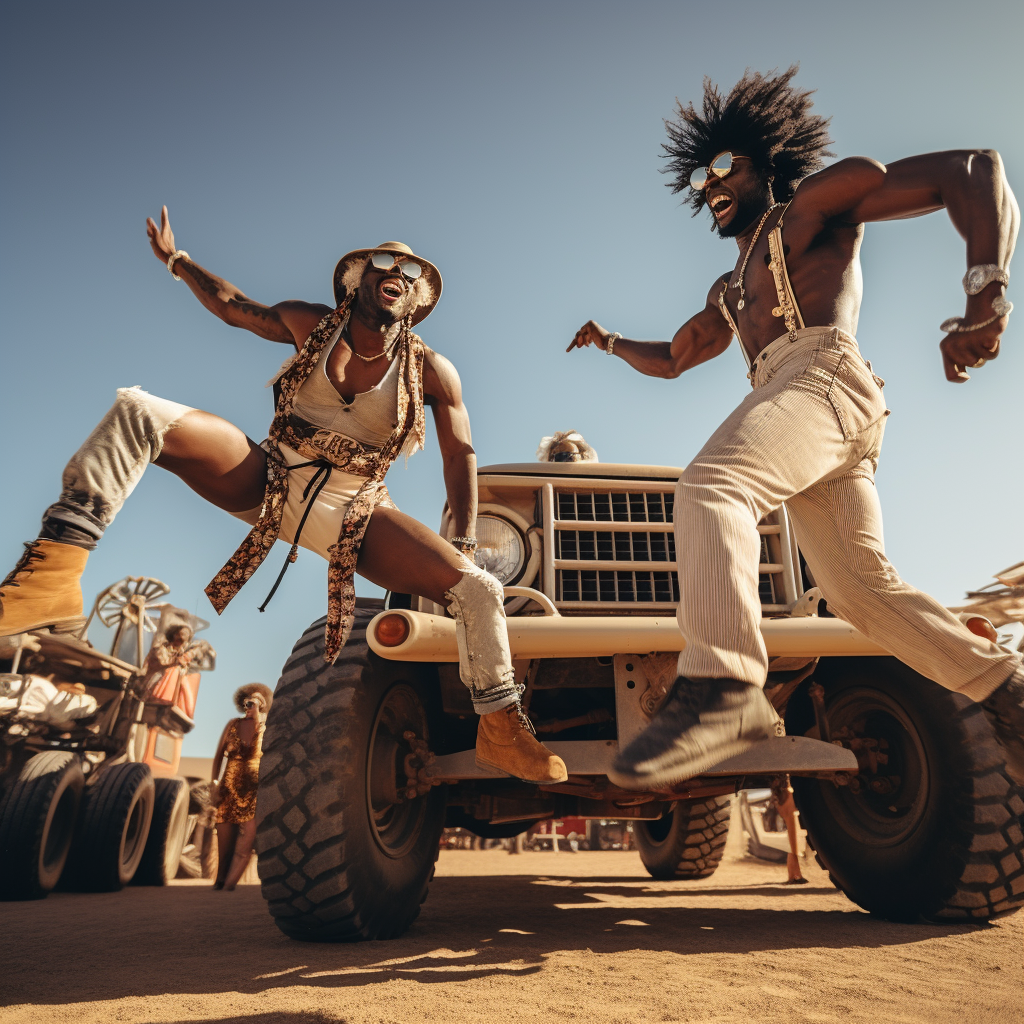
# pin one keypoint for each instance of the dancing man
(810, 432)
(349, 402)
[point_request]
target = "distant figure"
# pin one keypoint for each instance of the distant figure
(565, 446)
(234, 795)
(172, 675)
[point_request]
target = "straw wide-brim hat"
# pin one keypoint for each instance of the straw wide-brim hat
(428, 284)
(243, 693)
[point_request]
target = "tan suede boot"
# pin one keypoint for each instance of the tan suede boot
(505, 740)
(43, 589)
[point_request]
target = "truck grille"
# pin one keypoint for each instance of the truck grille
(611, 526)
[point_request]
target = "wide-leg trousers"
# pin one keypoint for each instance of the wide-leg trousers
(808, 435)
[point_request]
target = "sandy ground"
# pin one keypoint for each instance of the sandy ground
(584, 937)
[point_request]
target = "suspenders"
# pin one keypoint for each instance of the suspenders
(787, 308)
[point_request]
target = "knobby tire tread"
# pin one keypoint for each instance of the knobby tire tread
(301, 828)
(23, 810)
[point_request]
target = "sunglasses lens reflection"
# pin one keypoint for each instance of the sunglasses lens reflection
(382, 260)
(410, 269)
(698, 178)
(721, 165)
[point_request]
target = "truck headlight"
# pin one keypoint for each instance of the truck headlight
(500, 548)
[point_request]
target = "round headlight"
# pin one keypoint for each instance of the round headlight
(499, 548)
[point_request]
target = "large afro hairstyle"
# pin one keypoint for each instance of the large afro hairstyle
(243, 693)
(763, 117)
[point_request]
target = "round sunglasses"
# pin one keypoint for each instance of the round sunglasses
(387, 260)
(720, 167)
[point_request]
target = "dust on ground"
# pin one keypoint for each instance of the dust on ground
(540, 936)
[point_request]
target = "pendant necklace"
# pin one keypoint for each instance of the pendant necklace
(743, 267)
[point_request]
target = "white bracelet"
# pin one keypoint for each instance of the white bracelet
(610, 344)
(170, 262)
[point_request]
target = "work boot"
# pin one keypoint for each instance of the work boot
(702, 722)
(505, 740)
(43, 589)
(1005, 710)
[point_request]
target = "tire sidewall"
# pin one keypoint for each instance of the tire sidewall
(910, 877)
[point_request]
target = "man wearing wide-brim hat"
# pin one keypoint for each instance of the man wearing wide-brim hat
(348, 403)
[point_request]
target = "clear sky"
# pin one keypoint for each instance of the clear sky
(517, 147)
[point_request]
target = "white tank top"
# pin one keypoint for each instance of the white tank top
(371, 417)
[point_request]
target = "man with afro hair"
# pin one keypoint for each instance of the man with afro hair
(810, 432)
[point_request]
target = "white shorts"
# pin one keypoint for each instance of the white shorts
(324, 522)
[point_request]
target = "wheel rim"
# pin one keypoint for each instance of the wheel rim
(658, 831)
(176, 832)
(395, 820)
(887, 801)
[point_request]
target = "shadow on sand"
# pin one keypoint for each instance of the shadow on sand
(188, 939)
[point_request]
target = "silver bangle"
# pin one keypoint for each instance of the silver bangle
(955, 324)
(462, 543)
(177, 254)
(982, 275)
(610, 344)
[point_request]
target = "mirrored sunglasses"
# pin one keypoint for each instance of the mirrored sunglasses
(252, 704)
(386, 260)
(719, 168)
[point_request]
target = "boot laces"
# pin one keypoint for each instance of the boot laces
(524, 718)
(29, 555)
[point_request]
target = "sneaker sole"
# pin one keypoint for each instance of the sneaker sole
(672, 774)
(480, 763)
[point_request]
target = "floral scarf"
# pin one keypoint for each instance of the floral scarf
(343, 452)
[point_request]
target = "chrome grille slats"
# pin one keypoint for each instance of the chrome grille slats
(601, 553)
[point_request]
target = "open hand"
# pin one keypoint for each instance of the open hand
(161, 239)
(591, 333)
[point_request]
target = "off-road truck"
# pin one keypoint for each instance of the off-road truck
(89, 792)
(900, 783)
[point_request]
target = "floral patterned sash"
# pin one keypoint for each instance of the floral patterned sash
(340, 451)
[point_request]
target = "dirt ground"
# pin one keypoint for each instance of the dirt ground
(541, 936)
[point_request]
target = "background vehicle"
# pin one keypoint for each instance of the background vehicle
(89, 791)
(908, 803)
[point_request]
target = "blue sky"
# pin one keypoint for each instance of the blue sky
(517, 147)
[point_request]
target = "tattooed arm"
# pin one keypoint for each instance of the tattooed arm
(288, 322)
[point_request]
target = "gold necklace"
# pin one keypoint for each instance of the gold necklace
(386, 351)
(750, 249)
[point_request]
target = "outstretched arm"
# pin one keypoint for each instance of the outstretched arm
(442, 390)
(701, 338)
(971, 185)
(289, 322)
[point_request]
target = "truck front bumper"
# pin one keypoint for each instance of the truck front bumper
(431, 638)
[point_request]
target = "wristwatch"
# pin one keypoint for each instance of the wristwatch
(983, 274)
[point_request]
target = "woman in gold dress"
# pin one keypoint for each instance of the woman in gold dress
(234, 794)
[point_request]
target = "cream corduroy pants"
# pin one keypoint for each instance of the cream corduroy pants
(808, 435)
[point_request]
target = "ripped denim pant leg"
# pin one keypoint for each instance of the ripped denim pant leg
(485, 661)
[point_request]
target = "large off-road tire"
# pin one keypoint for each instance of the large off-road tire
(37, 822)
(933, 829)
(113, 826)
(688, 841)
(343, 853)
(167, 833)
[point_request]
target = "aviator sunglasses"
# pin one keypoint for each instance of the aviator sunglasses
(720, 167)
(386, 260)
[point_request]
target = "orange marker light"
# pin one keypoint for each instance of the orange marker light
(391, 630)
(980, 626)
